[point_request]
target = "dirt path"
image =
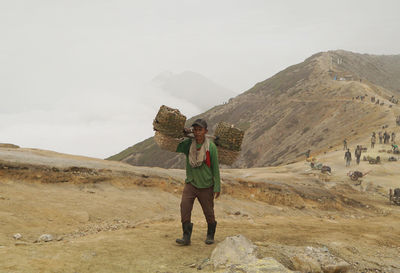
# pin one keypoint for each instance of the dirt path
(128, 221)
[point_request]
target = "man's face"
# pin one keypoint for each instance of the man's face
(199, 133)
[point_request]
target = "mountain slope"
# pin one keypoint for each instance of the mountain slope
(300, 108)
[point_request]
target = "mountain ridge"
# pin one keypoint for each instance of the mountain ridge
(299, 108)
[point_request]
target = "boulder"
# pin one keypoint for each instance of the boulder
(234, 250)
(238, 254)
(319, 260)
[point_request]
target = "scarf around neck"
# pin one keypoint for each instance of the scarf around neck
(197, 157)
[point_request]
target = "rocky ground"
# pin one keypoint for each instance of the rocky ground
(112, 217)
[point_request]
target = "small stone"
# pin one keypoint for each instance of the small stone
(45, 238)
(237, 213)
(17, 236)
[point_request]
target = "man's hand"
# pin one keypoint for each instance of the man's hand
(216, 195)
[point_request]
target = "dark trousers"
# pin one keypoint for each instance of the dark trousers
(206, 199)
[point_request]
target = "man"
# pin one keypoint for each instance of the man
(385, 137)
(202, 180)
(393, 137)
(347, 156)
(380, 137)
(357, 153)
(345, 144)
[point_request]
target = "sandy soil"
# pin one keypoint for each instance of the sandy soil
(113, 217)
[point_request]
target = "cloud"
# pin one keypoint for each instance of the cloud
(95, 124)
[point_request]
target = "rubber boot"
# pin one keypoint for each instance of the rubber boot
(187, 228)
(210, 233)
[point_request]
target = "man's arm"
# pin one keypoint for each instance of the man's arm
(184, 146)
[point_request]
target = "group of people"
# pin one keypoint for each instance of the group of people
(357, 153)
(385, 137)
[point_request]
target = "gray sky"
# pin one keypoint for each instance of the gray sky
(75, 76)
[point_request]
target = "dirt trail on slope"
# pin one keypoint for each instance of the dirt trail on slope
(112, 217)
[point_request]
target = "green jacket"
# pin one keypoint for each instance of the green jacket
(203, 176)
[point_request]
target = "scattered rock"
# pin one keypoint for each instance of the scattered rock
(205, 263)
(45, 238)
(233, 250)
(17, 236)
(267, 264)
(319, 260)
(238, 254)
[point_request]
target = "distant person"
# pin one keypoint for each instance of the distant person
(386, 138)
(393, 137)
(373, 140)
(308, 153)
(357, 153)
(395, 148)
(380, 137)
(347, 157)
(344, 145)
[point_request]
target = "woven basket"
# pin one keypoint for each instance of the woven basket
(166, 142)
(228, 137)
(227, 157)
(170, 122)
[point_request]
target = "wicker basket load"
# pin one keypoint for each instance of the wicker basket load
(169, 122)
(228, 140)
(227, 157)
(166, 142)
(228, 137)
